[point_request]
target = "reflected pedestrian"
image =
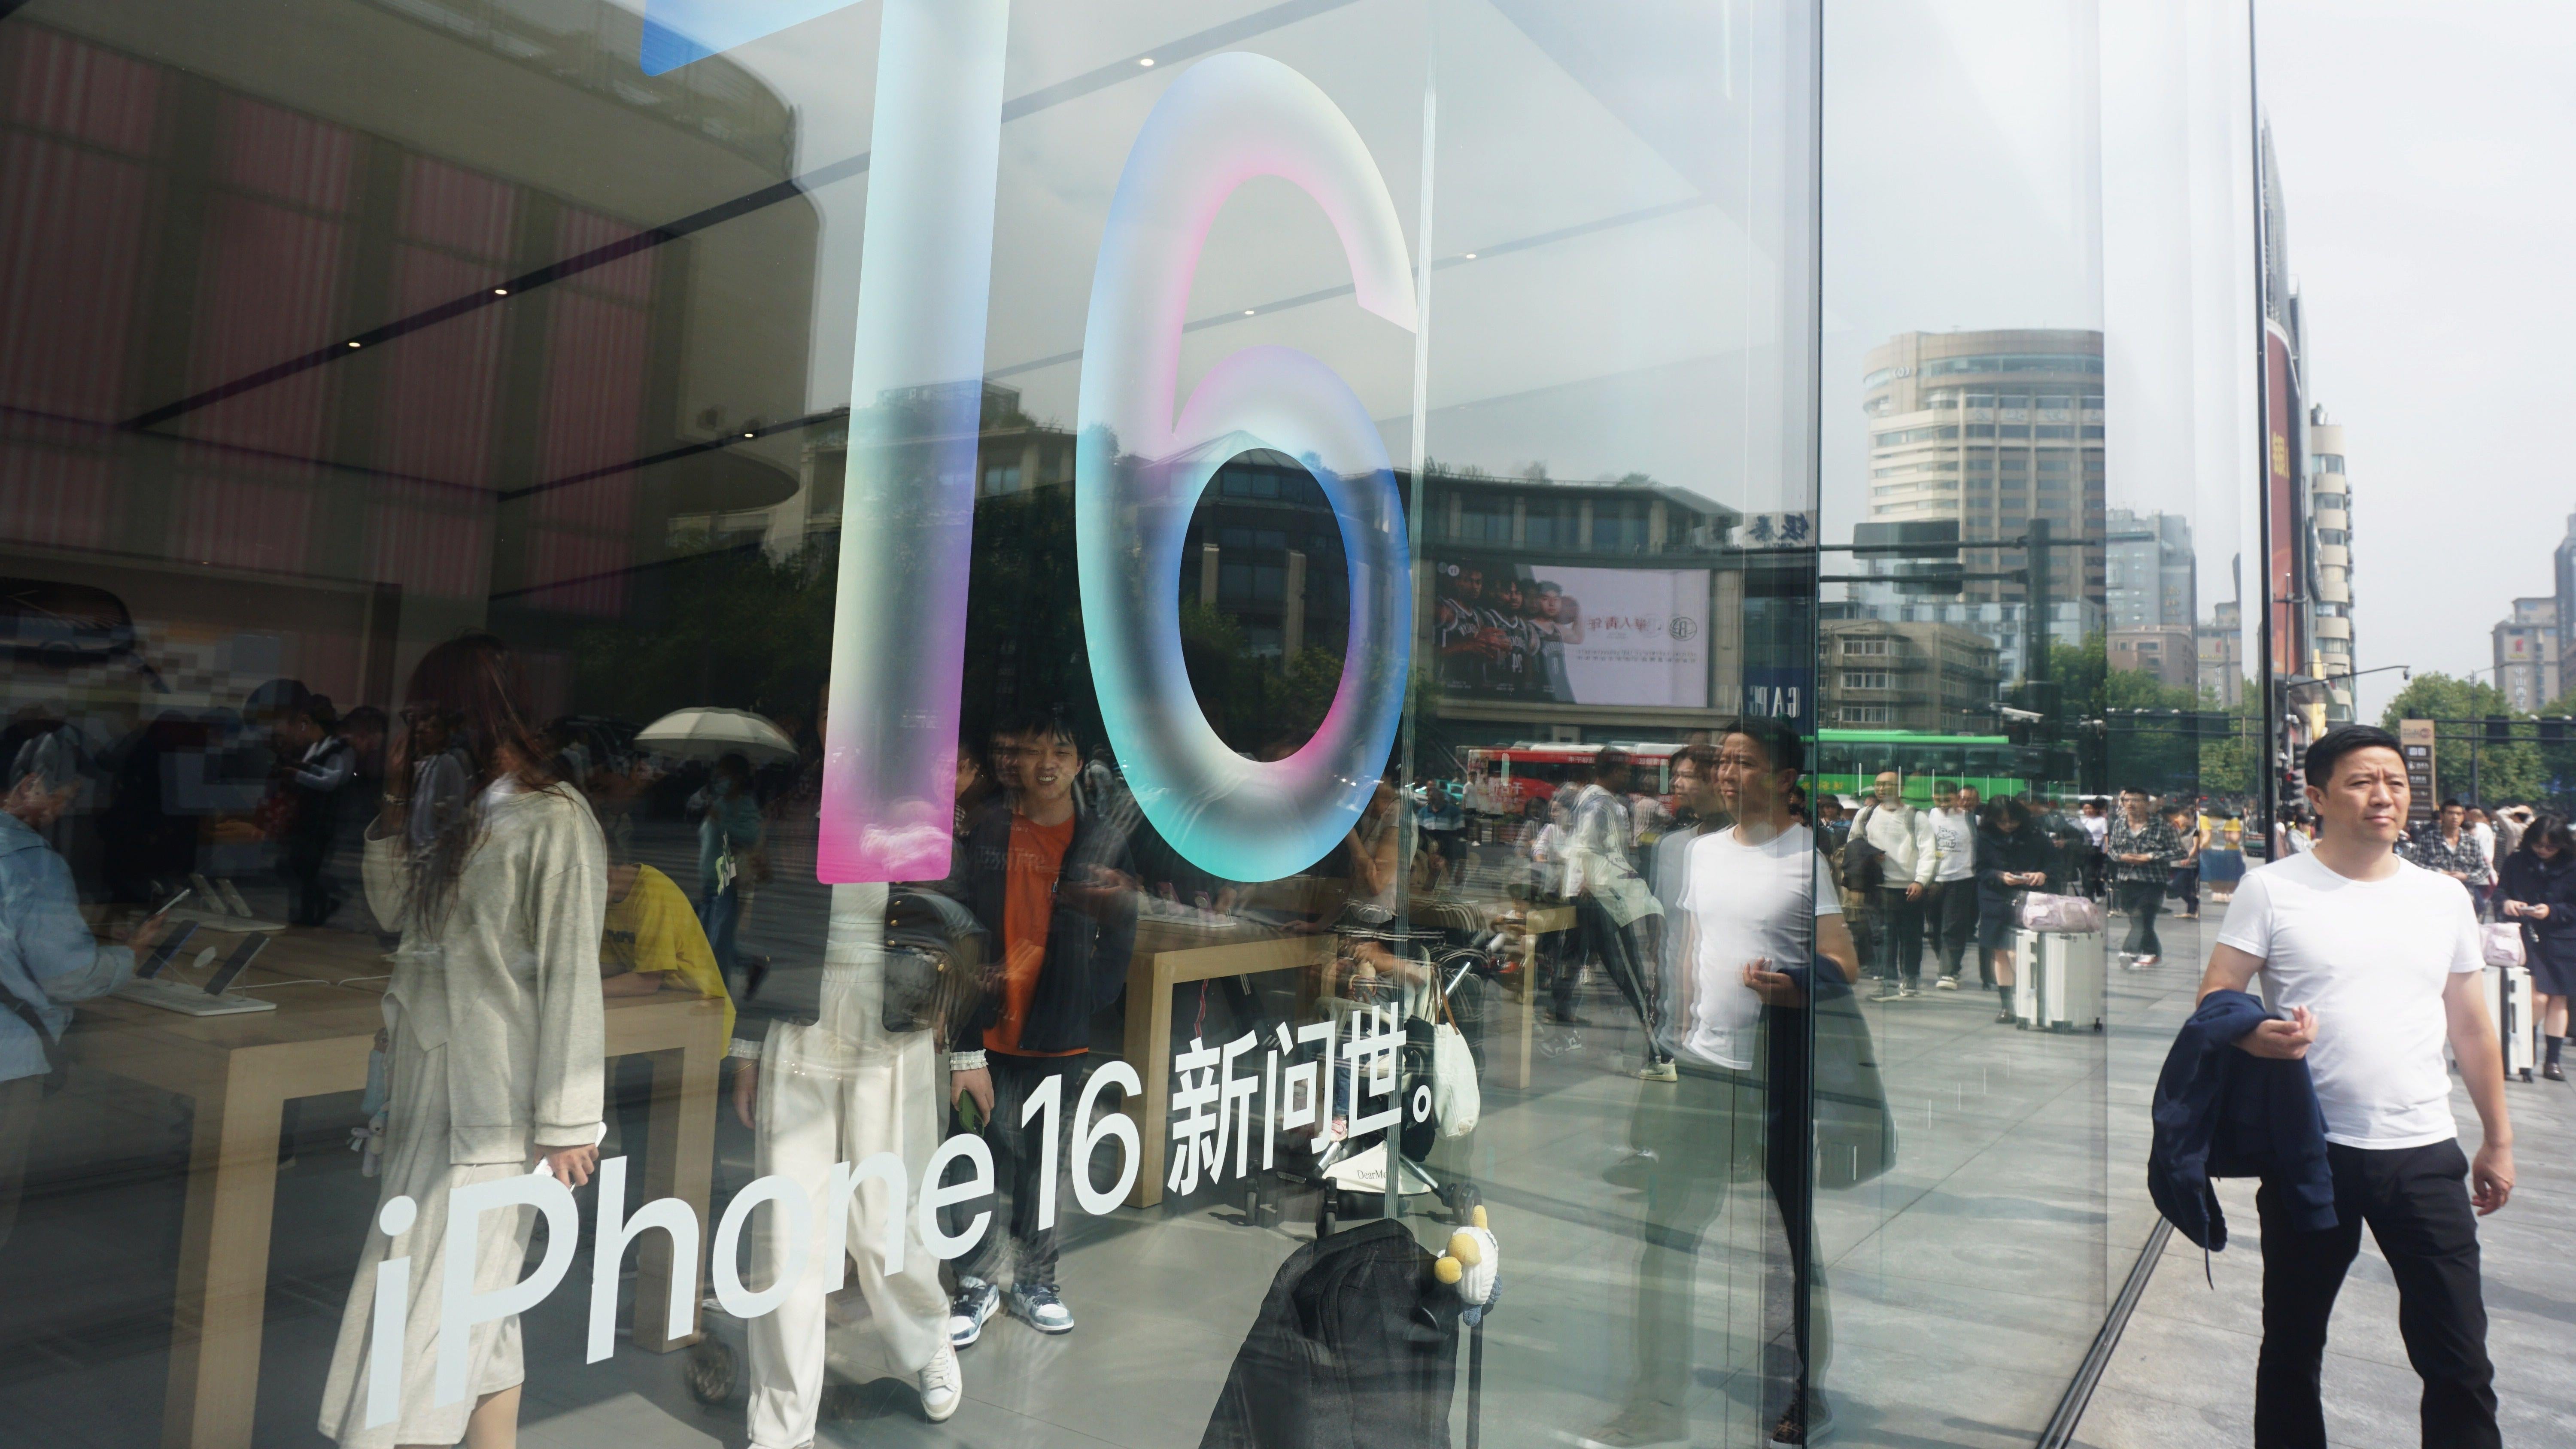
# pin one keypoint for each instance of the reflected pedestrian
(2011, 858)
(317, 768)
(1950, 911)
(1761, 929)
(48, 958)
(1617, 907)
(1895, 840)
(2142, 850)
(2183, 884)
(729, 858)
(493, 1032)
(1053, 885)
(2539, 890)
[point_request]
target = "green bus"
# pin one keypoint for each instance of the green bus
(1848, 761)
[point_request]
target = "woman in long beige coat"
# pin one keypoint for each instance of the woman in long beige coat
(496, 876)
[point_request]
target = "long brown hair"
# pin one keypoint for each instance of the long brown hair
(468, 697)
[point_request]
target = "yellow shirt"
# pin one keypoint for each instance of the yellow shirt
(652, 928)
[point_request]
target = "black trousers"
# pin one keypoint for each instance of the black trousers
(1623, 952)
(2141, 899)
(1019, 1164)
(1900, 935)
(2416, 1201)
(1950, 920)
(1714, 1133)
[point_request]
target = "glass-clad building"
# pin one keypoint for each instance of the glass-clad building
(1116, 723)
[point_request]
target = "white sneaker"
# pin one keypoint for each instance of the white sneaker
(975, 1302)
(1946, 983)
(942, 1384)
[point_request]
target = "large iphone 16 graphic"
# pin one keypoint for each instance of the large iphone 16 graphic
(1144, 456)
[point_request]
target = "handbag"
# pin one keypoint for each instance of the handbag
(938, 970)
(1456, 1099)
(1855, 1128)
(2500, 943)
(2068, 915)
(1435, 1084)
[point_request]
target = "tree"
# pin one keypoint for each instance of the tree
(2506, 772)
(735, 628)
(2139, 751)
(2229, 766)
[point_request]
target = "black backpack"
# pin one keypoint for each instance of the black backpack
(1864, 864)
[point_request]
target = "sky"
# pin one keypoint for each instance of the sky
(2425, 155)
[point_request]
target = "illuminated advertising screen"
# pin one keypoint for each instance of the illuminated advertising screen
(1554, 635)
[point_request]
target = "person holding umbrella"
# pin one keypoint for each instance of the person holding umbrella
(730, 846)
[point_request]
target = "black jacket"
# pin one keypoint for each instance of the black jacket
(2552, 883)
(2221, 1112)
(1090, 934)
(2008, 852)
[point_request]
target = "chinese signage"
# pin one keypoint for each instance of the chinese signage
(1777, 530)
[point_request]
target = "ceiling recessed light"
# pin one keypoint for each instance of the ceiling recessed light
(1471, 256)
(751, 435)
(353, 344)
(1247, 311)
(1145, 60)
(500, 291)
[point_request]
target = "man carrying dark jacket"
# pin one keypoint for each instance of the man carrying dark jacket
(2376, 960)
(1053, 884)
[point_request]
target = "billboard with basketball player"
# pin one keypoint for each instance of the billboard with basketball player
(1554, 635)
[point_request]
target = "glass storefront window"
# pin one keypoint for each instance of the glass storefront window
(988, 724)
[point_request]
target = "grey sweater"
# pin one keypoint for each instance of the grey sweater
(509, 981)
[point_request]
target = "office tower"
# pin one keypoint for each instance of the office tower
(2563, 574)
(2330, 513)
(2526, 654)
(1992, 429)
(2222, 656)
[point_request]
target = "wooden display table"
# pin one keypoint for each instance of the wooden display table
(241, 1070)
(1165, 957)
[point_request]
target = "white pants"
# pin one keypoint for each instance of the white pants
(838, 1091)
(416, 1165)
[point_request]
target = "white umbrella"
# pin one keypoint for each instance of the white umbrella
(705, 734)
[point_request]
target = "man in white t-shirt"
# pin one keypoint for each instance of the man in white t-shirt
(2375, 960)
(1758, 917)
(1950, 911)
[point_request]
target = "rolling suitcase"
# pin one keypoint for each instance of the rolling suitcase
(2061, 979)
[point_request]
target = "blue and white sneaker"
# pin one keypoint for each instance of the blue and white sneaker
(1041, 1308)
(967, 1312)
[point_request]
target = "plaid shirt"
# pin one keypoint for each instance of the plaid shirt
(2155, 839)
(2431, 853)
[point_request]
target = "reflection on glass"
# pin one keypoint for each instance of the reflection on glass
(1180, 687)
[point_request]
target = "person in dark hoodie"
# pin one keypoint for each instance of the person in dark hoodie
(2376, 962)
(1054, 884)
(2539, 890)
(2012, 857)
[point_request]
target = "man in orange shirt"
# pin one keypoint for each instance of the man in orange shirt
(1055, 885)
